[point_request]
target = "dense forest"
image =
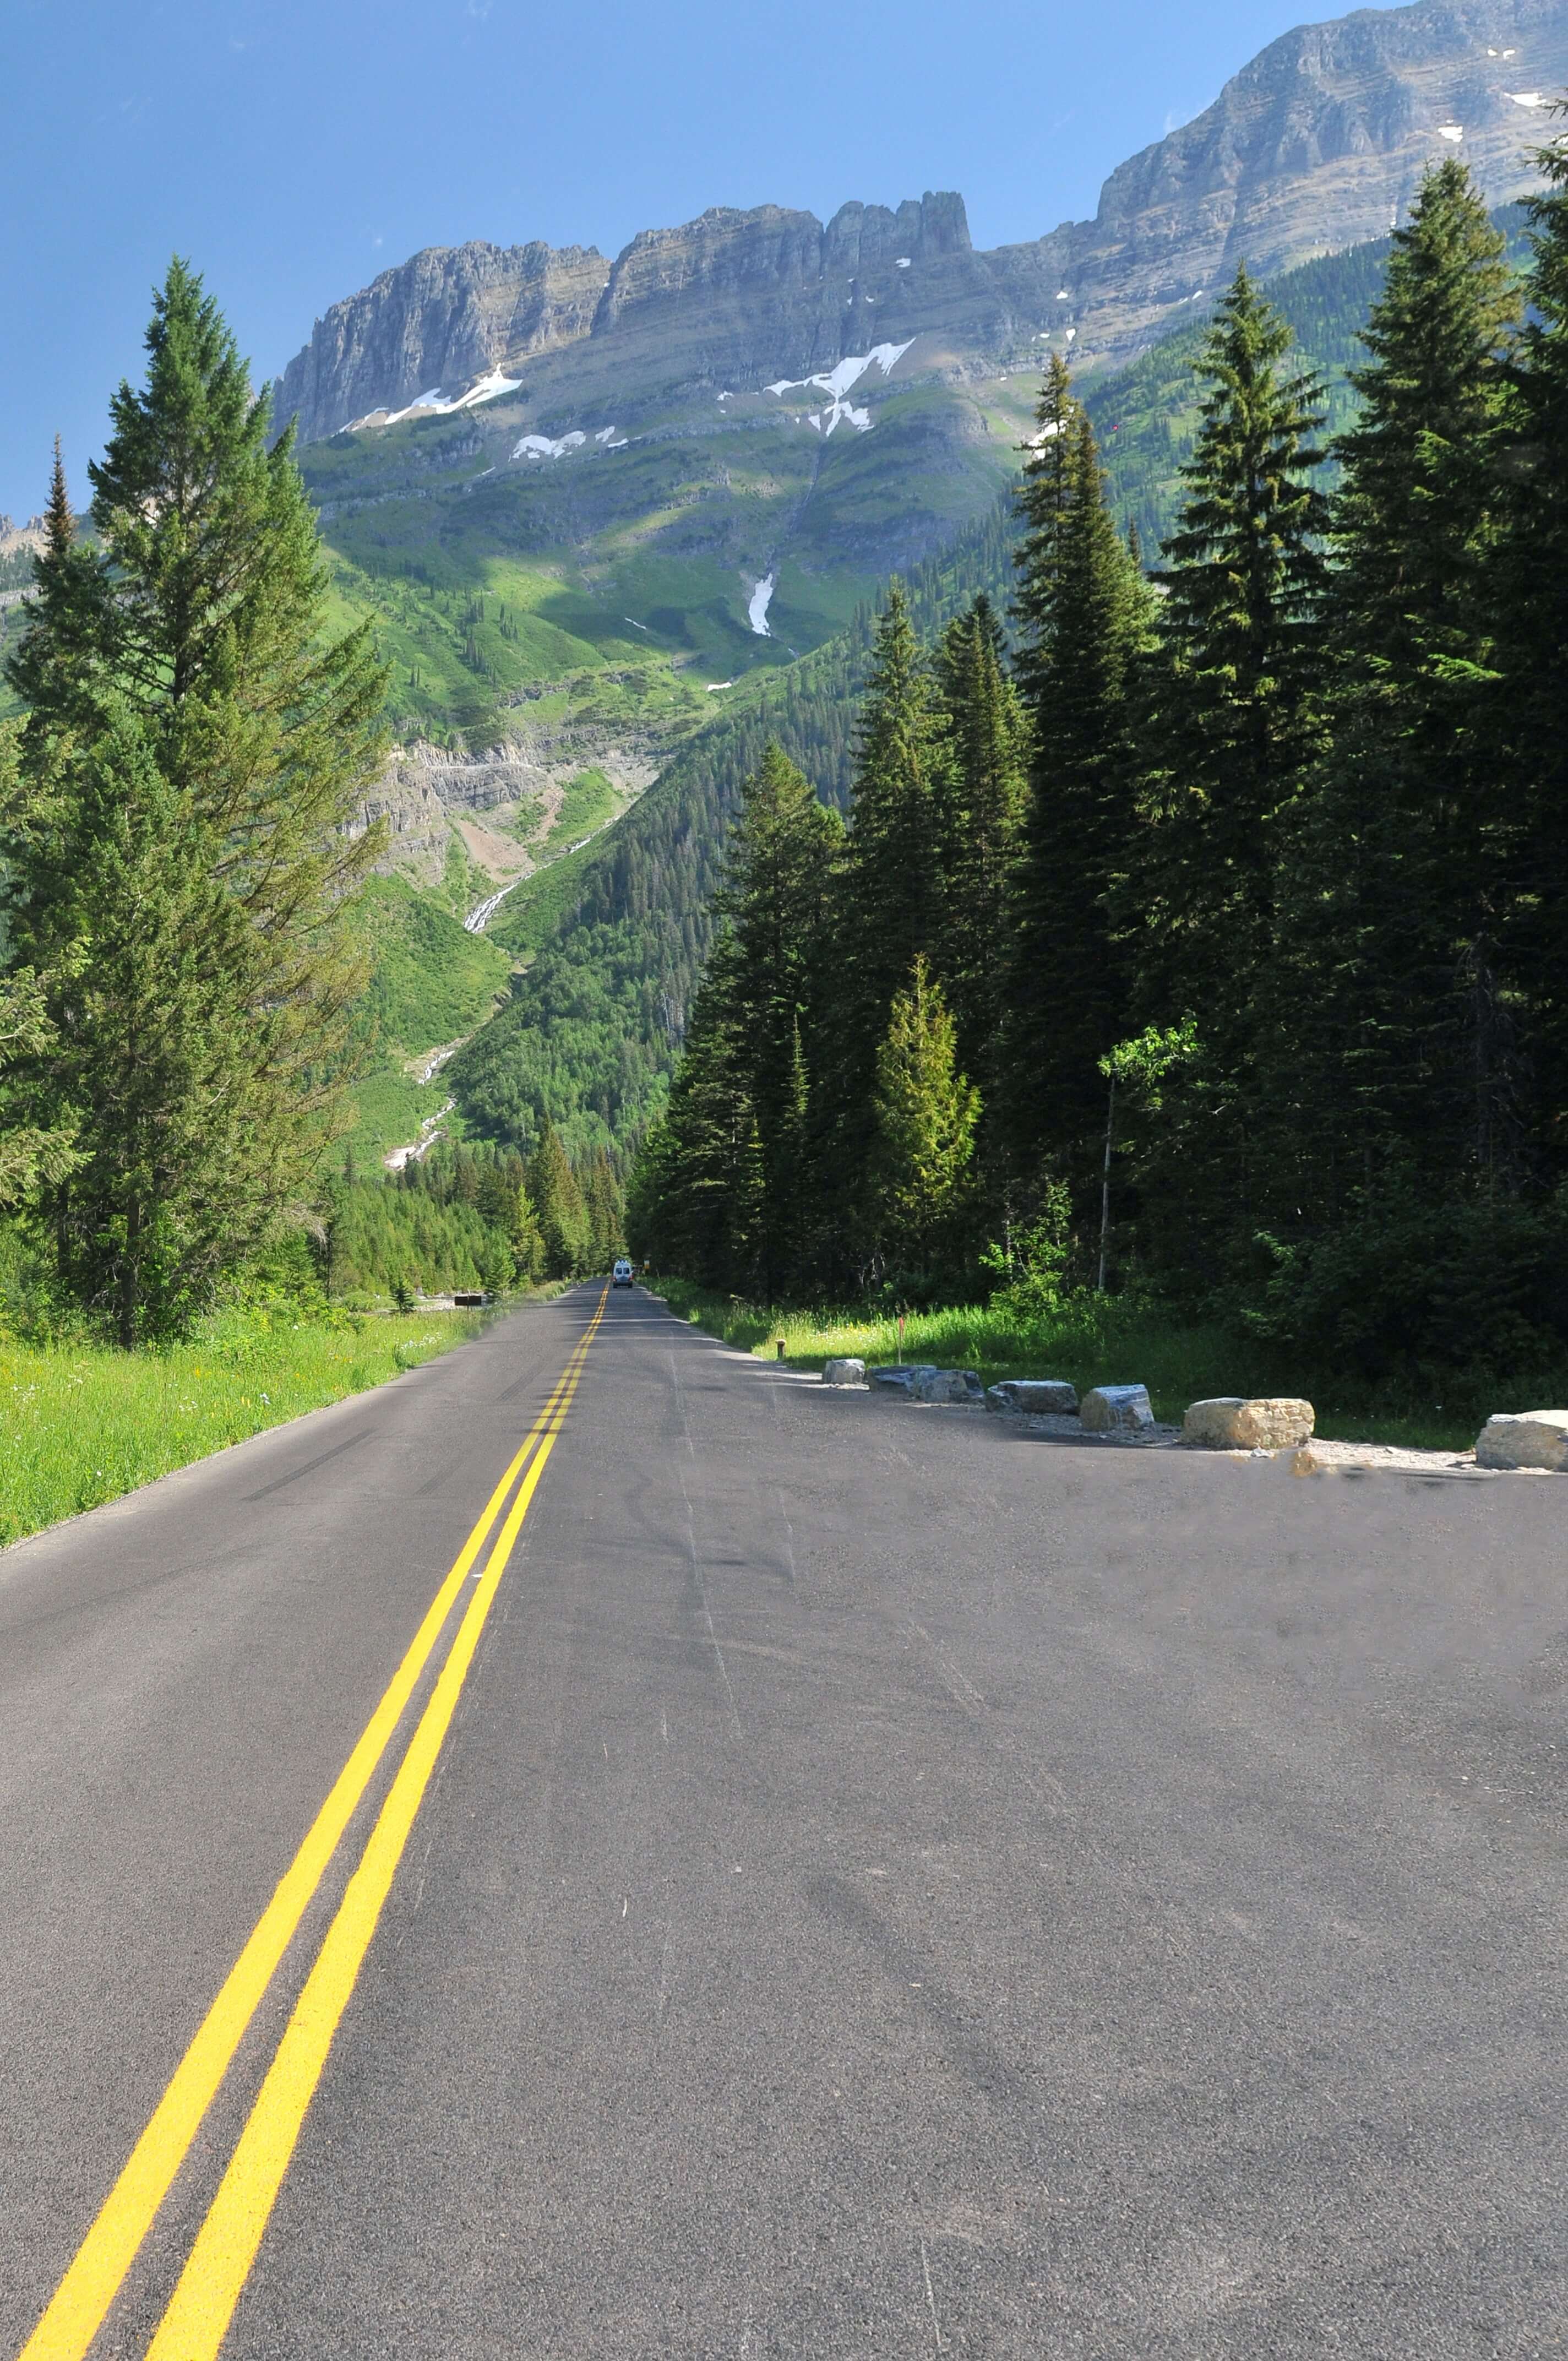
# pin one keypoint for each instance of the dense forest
(1204, 931)
(617, 936)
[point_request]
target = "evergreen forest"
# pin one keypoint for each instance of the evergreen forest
(1193, 925)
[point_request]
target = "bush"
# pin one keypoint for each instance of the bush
(1413, 1292)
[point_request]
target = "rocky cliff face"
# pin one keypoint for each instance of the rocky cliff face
(438, 322)
(1316, 145)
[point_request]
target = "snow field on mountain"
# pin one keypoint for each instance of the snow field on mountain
(838, 382)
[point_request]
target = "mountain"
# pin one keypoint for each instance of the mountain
(1316, 145)
(565, 484)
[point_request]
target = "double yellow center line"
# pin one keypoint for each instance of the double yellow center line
(202, 2303)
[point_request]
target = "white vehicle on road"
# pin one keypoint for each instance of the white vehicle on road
(621, 1275)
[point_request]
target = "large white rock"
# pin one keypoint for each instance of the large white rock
(845, 1372)
(1232, 1422)
(1115, 1410)
(1034, 1396)
(1525, 1438)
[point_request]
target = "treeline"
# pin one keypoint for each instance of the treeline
(1240, 880)
(471, 1217)
(594, 1027)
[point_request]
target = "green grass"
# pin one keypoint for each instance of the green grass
(80, 1425)
(588, 802)
(1094, 1341)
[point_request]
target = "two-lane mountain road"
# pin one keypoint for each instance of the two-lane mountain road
(604, 1848)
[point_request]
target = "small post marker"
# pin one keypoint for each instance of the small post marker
(781, 1348)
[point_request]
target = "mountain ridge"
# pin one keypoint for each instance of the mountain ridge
(1316, 144)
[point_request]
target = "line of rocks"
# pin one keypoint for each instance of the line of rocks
(1264, 1425)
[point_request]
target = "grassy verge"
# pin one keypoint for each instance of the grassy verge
(80, 1425)
(1108, 1340)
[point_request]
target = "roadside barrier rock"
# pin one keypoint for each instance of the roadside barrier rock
(1034, 1396)
(1526, 1438)
(846, 1372)
(947, 1386)
(1116, 1409)
(1232, 1422)
(899, 1376)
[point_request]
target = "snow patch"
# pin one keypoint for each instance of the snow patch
(540, 446)
(900, 262)
(634, 623)
(1525, 97)
(1062, 295)
(814, 418)
(837, 382)
(1455, 131)
(490, 388)
(714, 685)
(1510, 53)
(757, 611)
(605, 435)
(1070, 334)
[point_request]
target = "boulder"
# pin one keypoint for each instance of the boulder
(1525, 1438)
(899, 1376)
(1231, 1423)
(947, 1386)
(1116, 1409)
(1034, 1396)
(847, 1372)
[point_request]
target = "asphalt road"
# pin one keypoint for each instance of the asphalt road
(890, 1884)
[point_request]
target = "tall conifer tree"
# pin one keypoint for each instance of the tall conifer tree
(925, 1113)
(195, 642)
(1531, 575)
(1396, 861)
(979, 818)
(1240, 648)
(1083, 608)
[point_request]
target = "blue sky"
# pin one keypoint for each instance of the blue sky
(292, 150)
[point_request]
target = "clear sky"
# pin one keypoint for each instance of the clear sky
(292, 149)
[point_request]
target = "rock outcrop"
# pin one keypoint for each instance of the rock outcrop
(1317, 144)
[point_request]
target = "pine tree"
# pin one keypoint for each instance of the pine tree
(1399, 855)
(1226, 728)
(558, 1204)
(891, 897)
(1085, 611)
(925, 1113)
(781, 868)
(1531, 604)
(1242, 578)
(890, 904)
(194, 642)
(979, 817)
(696, 1204)
(153, 1060)
(607, 1219)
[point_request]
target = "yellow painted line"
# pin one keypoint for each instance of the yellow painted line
(77, 2309)
(194, 2326)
